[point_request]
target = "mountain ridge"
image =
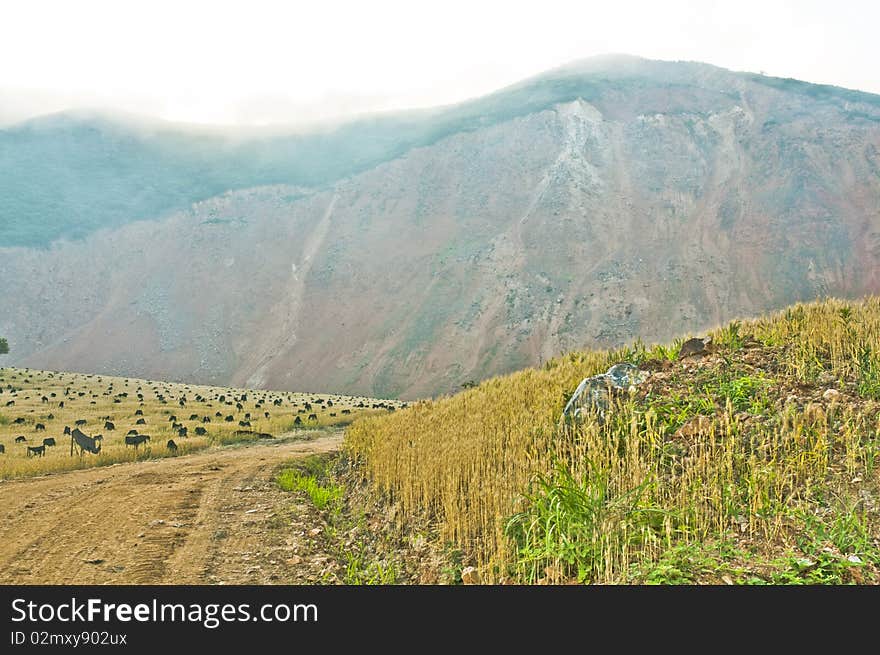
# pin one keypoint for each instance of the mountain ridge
(649, 208)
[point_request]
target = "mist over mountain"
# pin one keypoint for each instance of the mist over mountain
(404, 254)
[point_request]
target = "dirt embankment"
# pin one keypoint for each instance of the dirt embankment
(214, 517)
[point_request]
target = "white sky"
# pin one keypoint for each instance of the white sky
(256, 62)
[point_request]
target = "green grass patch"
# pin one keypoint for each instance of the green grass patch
(324, 495)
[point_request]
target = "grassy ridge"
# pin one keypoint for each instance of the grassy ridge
(752, 464)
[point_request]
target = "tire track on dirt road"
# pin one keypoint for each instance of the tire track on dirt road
(176, 520)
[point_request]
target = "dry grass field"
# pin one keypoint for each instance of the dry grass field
(35, 405)
(752, 463)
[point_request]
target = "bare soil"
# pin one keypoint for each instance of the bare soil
(213, 517)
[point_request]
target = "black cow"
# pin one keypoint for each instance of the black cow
(206, 419)
(39, 426)
(201, 431)
(66, 429)
(141, 421)
(131, 432)
(49, 441)
(85, 442)
(109, 426)
(20, 439)
(313, 417)
(81, 421)
(37, 451)
(136, 440)
(139, 412)
(245, 424)
(171, 445)
(229, 419)
(2, 448)
(18, 421)
(297, 421)
(182, 432)
(193, 417)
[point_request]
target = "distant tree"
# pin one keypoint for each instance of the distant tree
(4, 346)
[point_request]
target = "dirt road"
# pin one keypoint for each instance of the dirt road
(212, 517)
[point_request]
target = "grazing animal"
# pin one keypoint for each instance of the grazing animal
(84, 442)
(193, 417)
(229, 419)
(49, 441)
(182, 432)
(66, 429)
(51, 417)
(172, 418)
(81, 421)
(139, 412)
(39, 426)
(141, 421)
(313, 417)
(136, 440)
(245, 424)
(332, 413)
(37, 451)
(266, 414)
(308, 406)
(130, 432)
(20, 439)
(61, 404)
(10, 403)
(346, 411)
(171, 445)
(44, 399)
(201, 431)
(206, 419)
(18, 421)
(297, 421)
(109, 426)
(2, 448)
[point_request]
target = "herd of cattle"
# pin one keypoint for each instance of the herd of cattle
(64, 393)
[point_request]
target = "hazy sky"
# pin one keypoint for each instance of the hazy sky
(257, 62)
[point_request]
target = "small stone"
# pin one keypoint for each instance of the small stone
(469, 575)
(830, 395)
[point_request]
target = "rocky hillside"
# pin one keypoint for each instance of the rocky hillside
(613, 199)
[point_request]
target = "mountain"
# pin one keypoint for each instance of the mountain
(406, 254)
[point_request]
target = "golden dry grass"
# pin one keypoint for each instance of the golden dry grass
(97, 398)
(743, 444)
